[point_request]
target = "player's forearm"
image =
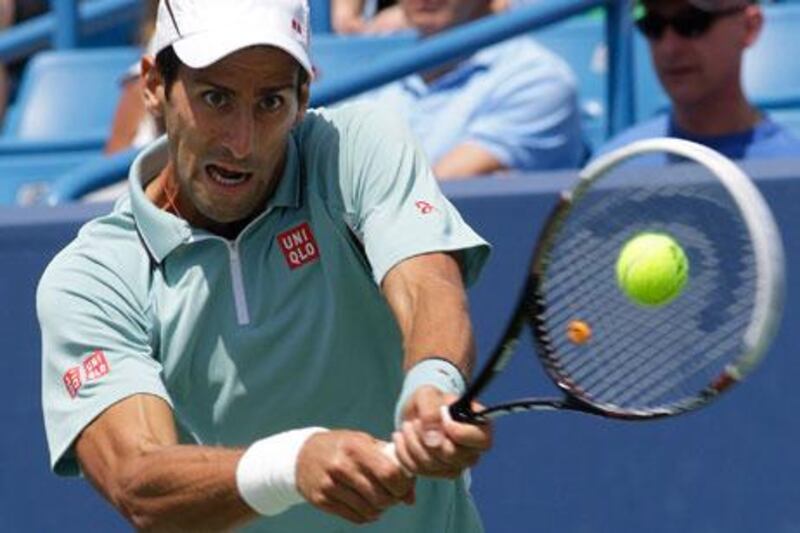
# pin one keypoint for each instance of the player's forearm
(187, 488)
(428, 299)
(440, 326)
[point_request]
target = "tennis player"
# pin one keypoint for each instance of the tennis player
(279, 294)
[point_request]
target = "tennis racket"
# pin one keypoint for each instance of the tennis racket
(635, 362)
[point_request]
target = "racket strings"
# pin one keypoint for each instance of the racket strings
(637, 360)
(644, 358)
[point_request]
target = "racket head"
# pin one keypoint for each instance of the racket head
(648, 362)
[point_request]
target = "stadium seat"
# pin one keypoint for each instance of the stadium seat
(24, 178)
(68, 96)
(772, 76)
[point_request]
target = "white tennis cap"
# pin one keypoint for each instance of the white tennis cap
(204, 31)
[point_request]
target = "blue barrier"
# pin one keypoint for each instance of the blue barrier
(728, 469)
(24, 178)
(320, 16)
(36, 34)
(67, 31)
(91, 176)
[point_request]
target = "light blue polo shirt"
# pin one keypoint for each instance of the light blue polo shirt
(767, 139)
(284, 327)
(516, 99)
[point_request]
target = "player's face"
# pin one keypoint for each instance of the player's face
(695, 69)
(434, 16)
(228, 126)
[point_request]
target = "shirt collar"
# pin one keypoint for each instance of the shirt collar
(163, 232)
(762, 127)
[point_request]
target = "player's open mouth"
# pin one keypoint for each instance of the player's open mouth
(227, 177)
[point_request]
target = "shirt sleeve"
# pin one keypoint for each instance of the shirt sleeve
(393, 201)
(532, 119)
(96, 349)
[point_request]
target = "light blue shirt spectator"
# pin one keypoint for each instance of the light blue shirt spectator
(767, 139)
(516, 99)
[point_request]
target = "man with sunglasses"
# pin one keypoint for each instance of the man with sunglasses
(697, 47)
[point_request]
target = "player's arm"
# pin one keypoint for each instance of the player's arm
(132, 455)
(426, 294)
(466, 160)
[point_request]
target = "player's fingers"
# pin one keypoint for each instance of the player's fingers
(476, 437)
(345, 511)
(455, 456)
(383, 481)
(345, 494)
(392, 474)
(402, 452)
(411, 464)
(427, 403)
(423, 462)
(384, 491)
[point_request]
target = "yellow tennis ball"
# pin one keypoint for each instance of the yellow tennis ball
(652, 269)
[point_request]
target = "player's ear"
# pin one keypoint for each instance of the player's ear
(754, 20)
(154, 89)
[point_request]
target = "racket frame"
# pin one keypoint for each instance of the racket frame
(530, 309)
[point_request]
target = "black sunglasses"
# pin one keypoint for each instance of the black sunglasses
(690, 22)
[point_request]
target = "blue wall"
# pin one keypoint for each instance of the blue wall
(730, 468)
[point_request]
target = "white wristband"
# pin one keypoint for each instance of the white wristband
(265, 475)
(435, 372)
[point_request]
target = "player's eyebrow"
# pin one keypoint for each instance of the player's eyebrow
(200, 79)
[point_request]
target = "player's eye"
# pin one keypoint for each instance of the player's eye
(215, 99)
(272, 102)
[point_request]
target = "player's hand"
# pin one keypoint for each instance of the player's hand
(348, 473)
(430, 443)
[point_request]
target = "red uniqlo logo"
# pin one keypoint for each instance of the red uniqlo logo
(95, 366)
(298, 246)
(72, 380)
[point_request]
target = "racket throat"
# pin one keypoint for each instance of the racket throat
(568, 403)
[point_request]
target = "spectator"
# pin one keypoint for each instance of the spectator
(133, 126)
(6, 19)
(13, 12)
(697, 48)
(379, 16)
(510, 106)
(367, 16)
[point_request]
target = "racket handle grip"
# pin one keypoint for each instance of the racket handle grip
(462, 413)
(390, 452)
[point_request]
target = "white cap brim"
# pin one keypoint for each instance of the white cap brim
(203, 49)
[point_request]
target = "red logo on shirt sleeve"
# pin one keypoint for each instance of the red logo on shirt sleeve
(95, 366)
(72, 380)
(298, 246)
(426, 208)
